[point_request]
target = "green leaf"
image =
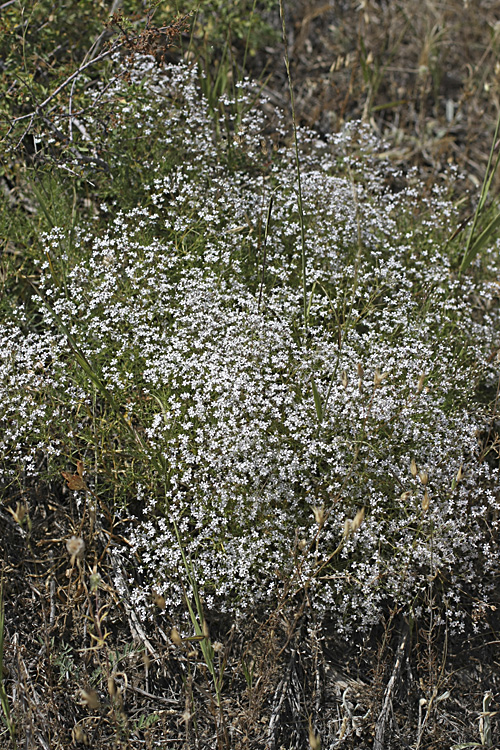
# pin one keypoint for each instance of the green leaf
(479, 242)
(317, 401)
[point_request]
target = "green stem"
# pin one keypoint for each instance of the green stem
(299, 181)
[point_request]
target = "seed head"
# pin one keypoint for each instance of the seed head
(175, 637)
(425, 502)
(358, 520)
(79, 735)
(159, 600)
(89, 698)
(76, 548)
(424, 477)
(319, 515)
(111, 686)
(379, 378)
(314, 739)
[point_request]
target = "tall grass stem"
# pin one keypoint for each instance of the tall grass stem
(297, 162)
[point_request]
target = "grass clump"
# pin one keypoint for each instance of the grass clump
(340, 463)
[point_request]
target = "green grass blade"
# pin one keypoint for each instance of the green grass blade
(317, 401)
(480, 242)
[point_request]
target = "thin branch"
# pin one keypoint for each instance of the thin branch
(68, 80)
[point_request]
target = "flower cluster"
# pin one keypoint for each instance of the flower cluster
(341, 453)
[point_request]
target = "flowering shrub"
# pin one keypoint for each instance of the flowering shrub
(171, 353)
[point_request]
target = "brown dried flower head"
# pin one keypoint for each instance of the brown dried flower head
(425, 502)
(76, 547)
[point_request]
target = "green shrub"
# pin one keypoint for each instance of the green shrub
(170, 355)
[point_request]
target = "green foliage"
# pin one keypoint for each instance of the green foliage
(479, 237)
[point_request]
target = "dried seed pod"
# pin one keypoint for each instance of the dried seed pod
(89, 698)
(347, 528)
(413, 468)
(314, 739)
(19, 513)
(358, 520)
(319, 515)
(424, 477)
(175, 637)
(379, 378)
(159, 600)
(425, 502)
(79, 735)
(111, 686)
(205, 630)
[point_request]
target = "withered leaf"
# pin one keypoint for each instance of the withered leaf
(75, 481)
